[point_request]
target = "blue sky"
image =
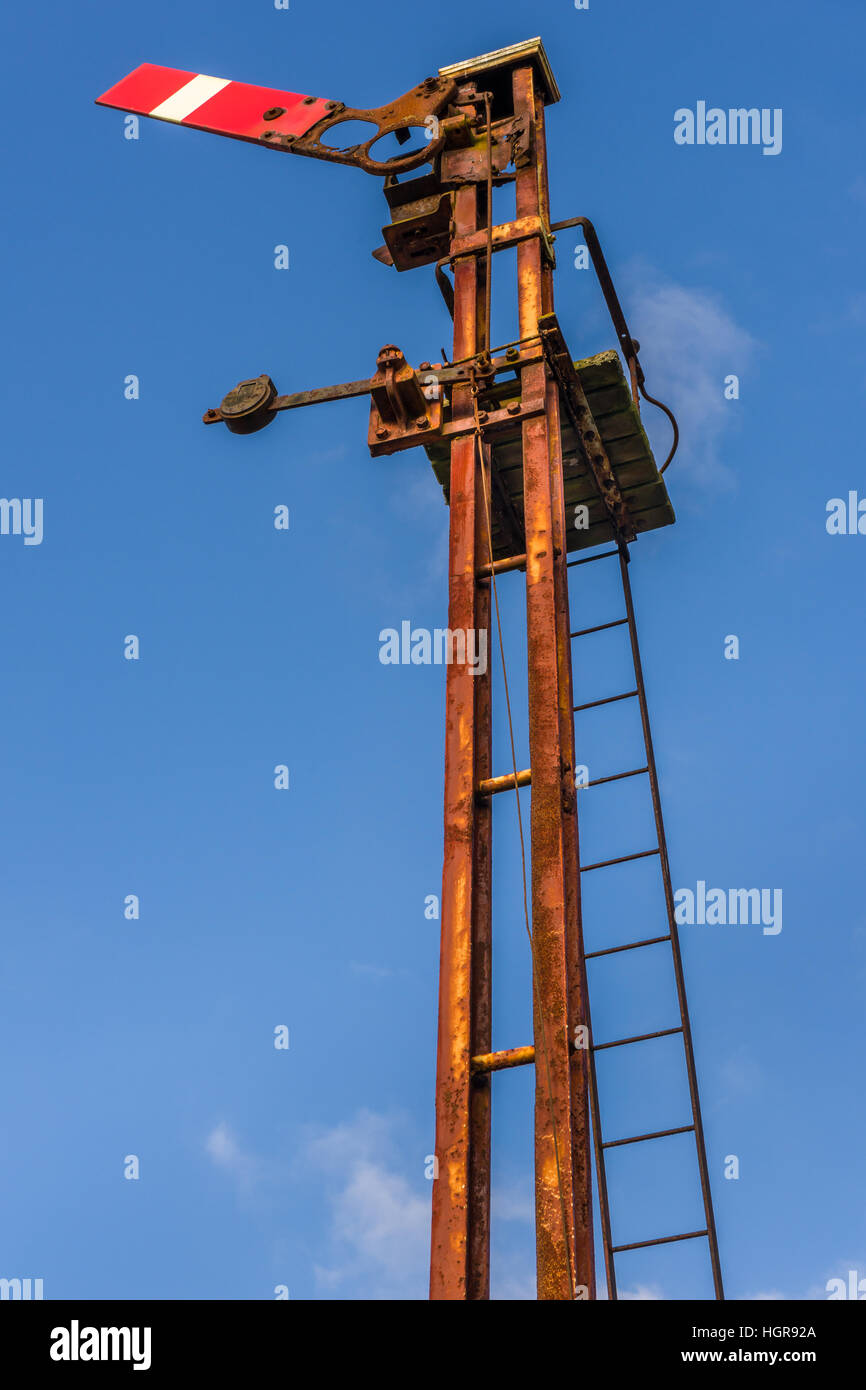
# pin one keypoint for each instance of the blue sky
(305, 908)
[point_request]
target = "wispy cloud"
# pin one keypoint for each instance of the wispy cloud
(378, 1237)
(689, 344)
(225, 1150)
(641, 1293)
(376, 972)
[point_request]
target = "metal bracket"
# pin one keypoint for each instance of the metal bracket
(401, 416)
(414, 109)
(574, 398)
(469, 165)
(407, 406)
(504, 236)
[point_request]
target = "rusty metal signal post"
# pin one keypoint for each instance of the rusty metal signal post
(522, 438)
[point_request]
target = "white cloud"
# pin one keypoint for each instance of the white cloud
(689, 344)
(641, 1293)
(224, 1148)
(380, 1220)
(376, 972)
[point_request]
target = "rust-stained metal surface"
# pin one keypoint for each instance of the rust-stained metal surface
(554, 1156)
(480, 1094)
(499, 64)
(456, 1181)
(502, 1061)
(576, 985)
(428, 99)
(585, 427)
(489, 786)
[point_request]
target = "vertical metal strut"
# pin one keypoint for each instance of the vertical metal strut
(559, 1167)
(459, 1266)
(563, 1169)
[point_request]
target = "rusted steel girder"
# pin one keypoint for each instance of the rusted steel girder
(564, 1247)
(459, 1265)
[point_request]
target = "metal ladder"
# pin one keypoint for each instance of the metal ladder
(600, 1144)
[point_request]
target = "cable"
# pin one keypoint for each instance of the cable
(670, 414)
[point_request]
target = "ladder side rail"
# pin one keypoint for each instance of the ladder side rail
(675, 946)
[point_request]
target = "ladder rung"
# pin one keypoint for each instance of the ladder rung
(609, 700)
(631, 946)
(639, 1037)
(588, 559)
(662, 1240)
(614, 777)
(640, 1138)
(623, 859)
(497, 1061)
(490, 785)
(511, 562)
(602, 627)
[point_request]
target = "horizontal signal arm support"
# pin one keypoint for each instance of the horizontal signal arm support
(287, 121)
